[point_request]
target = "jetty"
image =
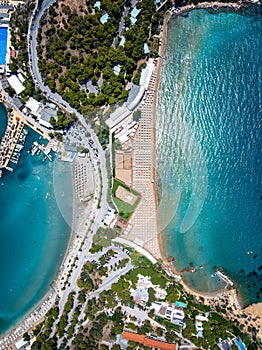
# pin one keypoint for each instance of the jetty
(37, 147)
(225, 278)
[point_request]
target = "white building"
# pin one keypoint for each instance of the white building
(170, 312)
(15, 83)
(21, 344)
(199, 324)
(34, 106)
(122, 116)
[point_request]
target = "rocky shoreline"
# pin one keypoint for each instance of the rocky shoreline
(235, 6)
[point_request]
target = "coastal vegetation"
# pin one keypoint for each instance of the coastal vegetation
(78, 51)
(103, 238)
(90, 276)
(19, 29)
(106, 315)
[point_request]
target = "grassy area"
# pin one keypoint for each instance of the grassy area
(103, 238)
(157, 278)
(125, 210)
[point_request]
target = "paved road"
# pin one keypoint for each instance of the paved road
(32, 44)
(33, 63)
(106, 284)
(140, 315)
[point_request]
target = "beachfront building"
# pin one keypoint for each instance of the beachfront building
(122, 116)
(199, 324)
(172, 313)
(22, 344)
(45, 116)
(43, 113)
(148, 341)
(34, 106)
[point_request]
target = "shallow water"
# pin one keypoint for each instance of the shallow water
(208, 148)
(33, 232)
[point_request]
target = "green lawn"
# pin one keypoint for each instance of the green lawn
(125, 210)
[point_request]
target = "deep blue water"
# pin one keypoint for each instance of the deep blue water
(33, 232)
(3, 43)
(209, 148)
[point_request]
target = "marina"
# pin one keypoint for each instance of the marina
(12, 142)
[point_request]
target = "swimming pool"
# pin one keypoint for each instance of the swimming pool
(3, 44)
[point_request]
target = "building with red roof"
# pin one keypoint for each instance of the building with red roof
(146, 341)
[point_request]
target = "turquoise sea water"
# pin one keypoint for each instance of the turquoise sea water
(33, 232)
(209, 148)
(3, 43)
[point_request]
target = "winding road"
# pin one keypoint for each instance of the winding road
(34, 26)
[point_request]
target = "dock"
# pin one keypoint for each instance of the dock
(225, 278)
(42, 148)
